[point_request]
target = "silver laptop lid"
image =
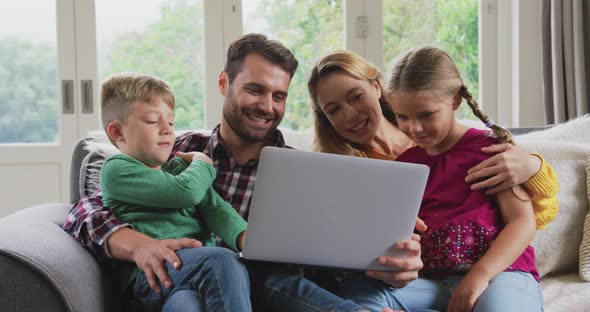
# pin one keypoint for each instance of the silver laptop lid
(331, 210)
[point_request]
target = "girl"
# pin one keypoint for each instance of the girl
(353, 117)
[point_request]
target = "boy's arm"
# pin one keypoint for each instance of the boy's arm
(129, 181)
(221, 218)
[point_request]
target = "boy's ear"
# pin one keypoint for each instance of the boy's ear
(114, 131)
(223, 82)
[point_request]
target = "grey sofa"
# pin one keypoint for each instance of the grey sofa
(45, 269)
(42, 268)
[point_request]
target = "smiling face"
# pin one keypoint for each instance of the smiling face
(148, 133)
(351, 105)
(255, 100)
(429, 121)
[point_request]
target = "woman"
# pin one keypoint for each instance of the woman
(352, 116)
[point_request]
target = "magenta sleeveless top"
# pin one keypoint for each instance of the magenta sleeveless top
(461, 223)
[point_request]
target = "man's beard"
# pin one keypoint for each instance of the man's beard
(235, 119)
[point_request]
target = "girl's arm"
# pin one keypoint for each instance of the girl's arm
(508, 246)
(513, 166)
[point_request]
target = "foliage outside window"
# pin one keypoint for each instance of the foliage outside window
(451, 25)
(170, 48)
(311, 29)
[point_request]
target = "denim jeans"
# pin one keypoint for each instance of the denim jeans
(275, 288)
(508, 291)
(211, 279)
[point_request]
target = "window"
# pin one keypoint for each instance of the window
(311, 29)
(164, 38)
(28, 71)
(451, 25)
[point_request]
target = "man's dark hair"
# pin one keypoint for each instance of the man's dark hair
(271, 50)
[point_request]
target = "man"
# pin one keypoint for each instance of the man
(254, 83)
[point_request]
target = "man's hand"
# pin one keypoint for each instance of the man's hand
(409, 264)
(467, 292)
(148, 254)
(150, 257)
(510, 167)
(194, 156)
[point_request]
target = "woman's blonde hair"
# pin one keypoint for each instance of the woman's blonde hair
(430, 71)
(326, 138)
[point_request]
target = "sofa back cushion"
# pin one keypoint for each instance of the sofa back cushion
(566, 149)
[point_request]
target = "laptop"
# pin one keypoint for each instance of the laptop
(331, 210)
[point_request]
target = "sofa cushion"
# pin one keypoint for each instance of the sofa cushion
(557, 246)
(585, 245)
(565, 293)
(98, 151)
(577, 130)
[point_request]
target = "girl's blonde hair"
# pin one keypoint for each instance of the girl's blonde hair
(430, 71)
(326, 138)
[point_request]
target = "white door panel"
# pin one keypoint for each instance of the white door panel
(37, 138)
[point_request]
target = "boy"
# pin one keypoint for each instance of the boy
(169, 199)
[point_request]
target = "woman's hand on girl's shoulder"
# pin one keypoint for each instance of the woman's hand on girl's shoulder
(509, 167)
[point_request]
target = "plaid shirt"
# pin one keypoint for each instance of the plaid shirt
(91, 223)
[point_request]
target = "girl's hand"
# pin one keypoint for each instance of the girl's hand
(510, 167)
(467, 292)
(408, 265)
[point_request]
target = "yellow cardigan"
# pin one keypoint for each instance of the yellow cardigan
(542, 188)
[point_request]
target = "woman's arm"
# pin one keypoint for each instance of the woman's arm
(509, 245)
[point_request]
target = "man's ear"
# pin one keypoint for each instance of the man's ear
(115, 131)
(223, 82)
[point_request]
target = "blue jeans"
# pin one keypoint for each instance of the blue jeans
(509, 291)
(274, 288)
(211, 279)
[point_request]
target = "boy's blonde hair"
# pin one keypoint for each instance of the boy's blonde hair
(430, 71)
(326, 139)
(120, 93)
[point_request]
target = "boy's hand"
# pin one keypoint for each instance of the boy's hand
(203, 157)
(193, 156)
(241, 240)
(467, 292)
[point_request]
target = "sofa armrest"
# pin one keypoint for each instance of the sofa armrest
(58, 268)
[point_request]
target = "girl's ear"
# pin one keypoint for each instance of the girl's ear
(457, 100)
(115, 131)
